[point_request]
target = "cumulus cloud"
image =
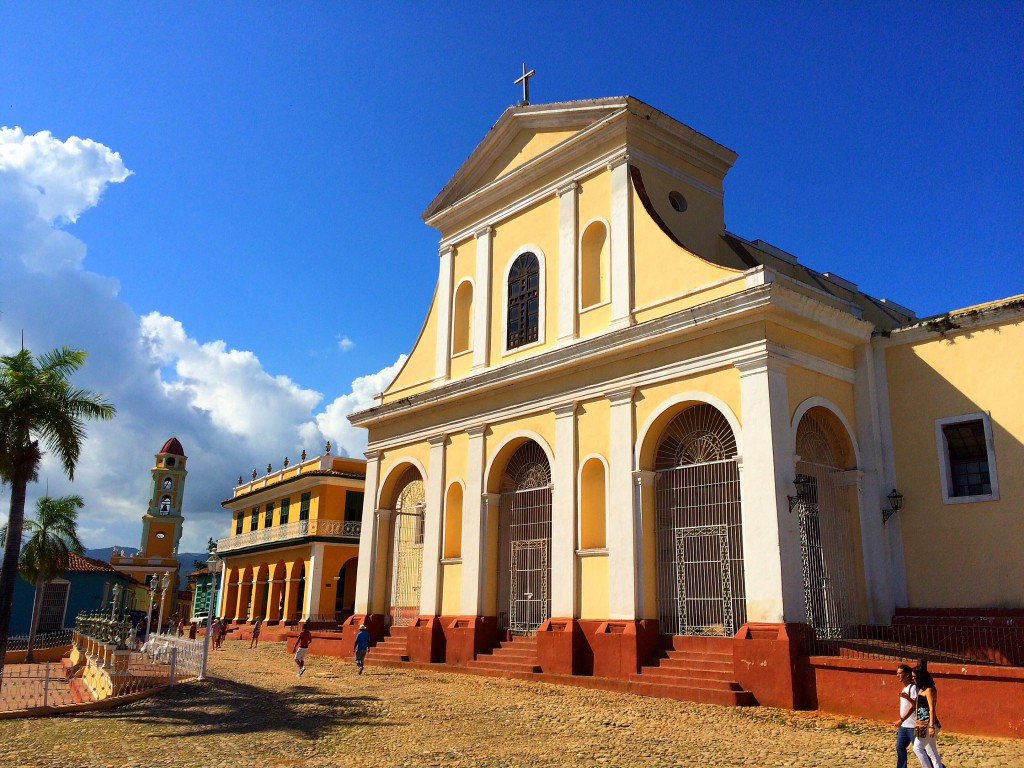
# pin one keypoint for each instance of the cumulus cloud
(345, 343)
(229, 413)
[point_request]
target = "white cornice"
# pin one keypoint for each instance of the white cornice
(1009, 310)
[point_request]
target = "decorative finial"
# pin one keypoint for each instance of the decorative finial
(327, 448)
(525, 80)
(269, 469)
(303, 454)
(239, 479)
(286, 461)
(254, 474)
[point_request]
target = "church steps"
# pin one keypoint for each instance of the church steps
(392, 648)
(516, 655)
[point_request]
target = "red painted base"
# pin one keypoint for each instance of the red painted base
(425, 640)
(465, 637)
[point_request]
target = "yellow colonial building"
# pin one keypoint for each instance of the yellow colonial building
(291, 555)
(622, 425)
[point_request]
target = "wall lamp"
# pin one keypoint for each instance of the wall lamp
(895, 505)
(802, 483)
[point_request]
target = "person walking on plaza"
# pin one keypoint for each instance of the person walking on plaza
(181, 627)
(192, 629)
(140, 633)
(908, 714)
(215, 632)
(255, 641)
(927, 725)
(302, 647)
(362, 644)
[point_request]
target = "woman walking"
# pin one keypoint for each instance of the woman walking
(928, 725)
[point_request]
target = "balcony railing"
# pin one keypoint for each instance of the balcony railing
(301, 529)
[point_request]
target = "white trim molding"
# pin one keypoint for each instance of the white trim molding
(542, 296)
(946, 481)
(820, 402)
(683, 397)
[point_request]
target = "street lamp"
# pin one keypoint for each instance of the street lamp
(114, 601)
(152, 582)
(213, 566)
(165, 583)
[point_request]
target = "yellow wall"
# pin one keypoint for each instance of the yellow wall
(961, 554)
(451, 588)
(802, 384)
(593, 587)
(523, 148)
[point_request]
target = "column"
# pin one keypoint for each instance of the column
(563, 514)
(367, 536)
(314, 580)
(568, 236)
(291, 594)
(622, 526)
(489, 561)
(644, 515)
(444, 313)
(771, 551)
(621, 243)
(472, 525)
(432, 523)
(482, 299)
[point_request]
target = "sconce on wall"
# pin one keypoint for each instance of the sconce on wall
(802, 483)
(895, 504)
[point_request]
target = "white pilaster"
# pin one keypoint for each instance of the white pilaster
(644, 519)
(482, 299)
(568, 226)
(444, 314)
(563, 514)
(771, 543)
(473, 525)
(622, 536)
(311, 604)
(432, 529)
(621, 244)
(365, 566)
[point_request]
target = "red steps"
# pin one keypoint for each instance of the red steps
(692, 669)
(517, 655)
(391, 648)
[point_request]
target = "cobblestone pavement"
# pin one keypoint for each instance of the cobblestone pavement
(255, 712)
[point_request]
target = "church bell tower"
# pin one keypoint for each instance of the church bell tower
(161, 525)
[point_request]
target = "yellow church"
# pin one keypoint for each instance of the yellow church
(627, 437)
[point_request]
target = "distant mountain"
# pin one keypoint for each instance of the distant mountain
(186, 560)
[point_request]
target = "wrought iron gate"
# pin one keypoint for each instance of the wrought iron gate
(701, 589)
(826, 552)
(407, 555)
(525, 527)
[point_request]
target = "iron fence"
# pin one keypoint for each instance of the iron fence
(43, 640)
(24, 686)
(995, 644)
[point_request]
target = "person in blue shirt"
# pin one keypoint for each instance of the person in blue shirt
(361, 646)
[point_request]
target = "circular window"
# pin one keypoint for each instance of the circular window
(677, 201)
(161, 535)
(169, 462)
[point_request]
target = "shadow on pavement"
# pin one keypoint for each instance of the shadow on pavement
(221, 706)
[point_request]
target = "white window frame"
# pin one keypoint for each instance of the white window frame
(541, 290)
(943, 454)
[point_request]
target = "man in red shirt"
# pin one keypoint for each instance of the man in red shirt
(305, 638)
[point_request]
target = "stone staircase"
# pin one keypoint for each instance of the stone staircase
(518, 655)
(692, 669)
(391, 648)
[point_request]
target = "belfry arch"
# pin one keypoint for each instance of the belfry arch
(698, 527)
(831, 551)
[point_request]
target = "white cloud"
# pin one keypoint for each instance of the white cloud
(229, 413)
(345, 343)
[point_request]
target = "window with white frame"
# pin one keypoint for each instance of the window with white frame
(967, 464)
(523, 317)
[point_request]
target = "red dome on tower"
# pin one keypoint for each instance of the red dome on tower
(173, 446)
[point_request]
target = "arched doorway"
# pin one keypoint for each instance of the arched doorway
(525, 541)
(699, 530)
(828, 522)
(406, 551)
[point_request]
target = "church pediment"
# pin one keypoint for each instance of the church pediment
(521, 136)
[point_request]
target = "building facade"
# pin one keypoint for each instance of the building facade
(621, 422)
(292, 551)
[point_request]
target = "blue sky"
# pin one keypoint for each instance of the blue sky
(281, 156)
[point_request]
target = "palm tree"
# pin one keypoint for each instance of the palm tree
(38, 404)
(51, 538)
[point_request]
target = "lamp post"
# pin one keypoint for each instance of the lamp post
(213, 566)
(152, 581)
(114, 601)
(165, 583)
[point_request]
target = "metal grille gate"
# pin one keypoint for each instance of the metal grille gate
(526, 540)
(407, 555)
(701, 589)
(826, 552)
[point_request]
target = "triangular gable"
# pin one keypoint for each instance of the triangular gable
(522, 134)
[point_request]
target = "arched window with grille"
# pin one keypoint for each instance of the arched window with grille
(523, 301)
